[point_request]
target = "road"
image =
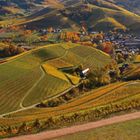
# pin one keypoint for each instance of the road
(79, 128)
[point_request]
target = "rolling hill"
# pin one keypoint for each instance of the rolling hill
(39, 76)
(70, 14)
(30, 78)
(103, 14)
(131, 5)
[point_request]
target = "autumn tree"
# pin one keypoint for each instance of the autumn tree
(36, 124)
(10, 50)
(107, 47)
(22, 128)
(99, 77)
(44, 38)
(120, 58)
(70, 36)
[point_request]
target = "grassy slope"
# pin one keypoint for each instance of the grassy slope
(129, 130)
(133, 73)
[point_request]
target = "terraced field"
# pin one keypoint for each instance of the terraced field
(59, 63)
(114, 93)
(48, 87)
(24, 83)
(133, 73)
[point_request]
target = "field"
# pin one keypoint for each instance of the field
(123, 131)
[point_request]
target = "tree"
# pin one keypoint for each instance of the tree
(70, 36)
(9, 130)
(36, 124)
(120, 58)
(107, 47)
(99, 77)
(22, 128)
(10, 50)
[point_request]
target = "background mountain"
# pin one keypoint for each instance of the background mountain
(33, 5)
(131, 5)
(94, 14)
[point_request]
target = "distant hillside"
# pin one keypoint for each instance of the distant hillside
(33, 5)
(95, 14)
(98, 15)
(12, 7)
(8, 8)
(131, 5)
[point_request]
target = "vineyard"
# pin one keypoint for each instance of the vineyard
(59, 63)
(37, 77)
(133, 73)
(111, 94)
(24, 82)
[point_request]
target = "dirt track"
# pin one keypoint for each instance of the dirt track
(71, 130)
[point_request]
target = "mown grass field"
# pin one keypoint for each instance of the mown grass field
(24, 82)
(122, 131)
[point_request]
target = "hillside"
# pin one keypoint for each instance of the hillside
(30, 6)
(88, 107)
(9, 9)
(93, 14)
(131, 5)
(71, 14)
(31, 78)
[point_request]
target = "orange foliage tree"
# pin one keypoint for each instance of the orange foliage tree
(106, 47)
(44, 38)
(70, 36)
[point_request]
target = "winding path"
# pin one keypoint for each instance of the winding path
(42, 76)
(79, 128)
(22, 108)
